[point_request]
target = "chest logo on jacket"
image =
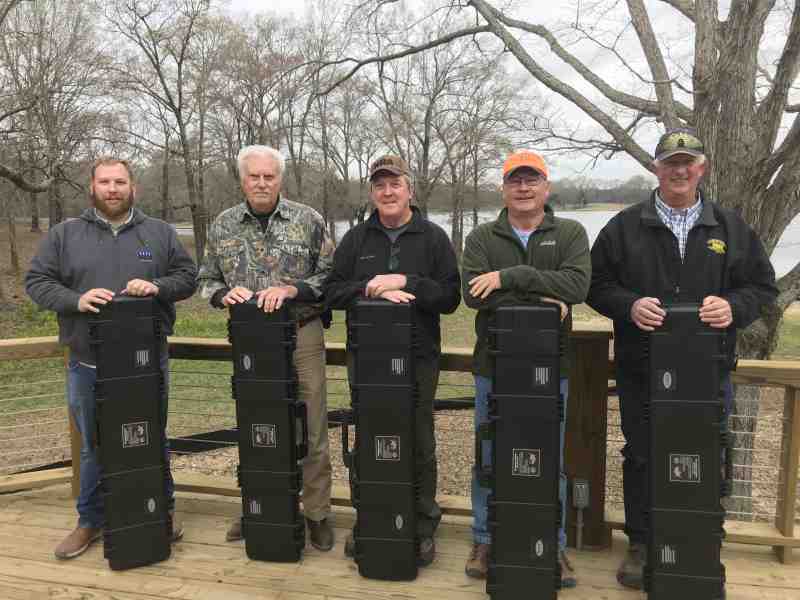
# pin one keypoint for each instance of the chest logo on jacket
(716, 245)
(145, 254)
(548, 243)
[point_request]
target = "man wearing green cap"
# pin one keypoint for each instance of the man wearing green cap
(400, 256)
(676, 246)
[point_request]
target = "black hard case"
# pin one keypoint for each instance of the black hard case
(382, 338)
(273, 430)
(686, 476)
(525, 409)
(127, 341)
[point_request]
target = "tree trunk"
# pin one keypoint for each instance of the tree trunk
(166, 205)
(34, 202)
(742, 426)
(12, 241)
(55, 210)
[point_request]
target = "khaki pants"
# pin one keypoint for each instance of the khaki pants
(309, 360)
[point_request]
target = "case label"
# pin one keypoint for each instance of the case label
(142, 358)
(254, 507)
(667, 555)
(264, 435)
(684, 468)
(526, 462)
(666, 380)
(541, 376)
(398, 366)
(387, 447)
(135, 435)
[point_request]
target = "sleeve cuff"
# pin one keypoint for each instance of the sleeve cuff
(304, 292)
(412, 282)
(216, 299)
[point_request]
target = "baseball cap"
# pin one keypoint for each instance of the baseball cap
(524, 158)
(679, 141)
(391, 163)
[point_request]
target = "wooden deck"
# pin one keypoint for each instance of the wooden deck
(203, 566)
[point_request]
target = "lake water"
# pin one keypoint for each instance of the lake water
(784, 258)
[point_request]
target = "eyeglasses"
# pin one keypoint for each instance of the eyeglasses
(531, 181)
(394, 257)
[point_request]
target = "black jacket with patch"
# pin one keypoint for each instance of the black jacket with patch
(636, 255)
(426, 258)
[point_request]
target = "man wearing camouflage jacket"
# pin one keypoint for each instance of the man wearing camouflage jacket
(275, 249)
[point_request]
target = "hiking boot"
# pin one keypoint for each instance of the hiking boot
(77, 542)
(568, 579)
(234, 531)
(320, 534)
(478, 562)
(427, 552)
(175, 527)
(631, 571)
(350, 546)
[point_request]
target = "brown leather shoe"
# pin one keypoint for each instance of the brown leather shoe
(478, 562)
(234, 531)
(77, 542)
(631, 571)
(320, 534)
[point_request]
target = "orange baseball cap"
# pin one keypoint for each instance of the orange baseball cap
(524, 158)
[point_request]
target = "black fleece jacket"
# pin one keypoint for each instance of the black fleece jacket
(636, 255)
(426, 258)
(83, 253)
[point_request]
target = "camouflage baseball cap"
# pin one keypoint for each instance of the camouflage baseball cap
(391, 163)
(679, 141)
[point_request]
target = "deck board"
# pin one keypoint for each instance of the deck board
(204, 567)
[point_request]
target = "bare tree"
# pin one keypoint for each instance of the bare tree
(742, 109)
(170, 70)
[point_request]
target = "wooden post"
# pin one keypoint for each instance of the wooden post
(585, 451)
(790, 459)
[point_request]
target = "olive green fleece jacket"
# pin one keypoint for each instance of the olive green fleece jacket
(556, 264)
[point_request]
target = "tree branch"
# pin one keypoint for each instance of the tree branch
(18, 180)
(627, 100)
(359, 64)
(770, 113)
(647, 38)
(561, 88)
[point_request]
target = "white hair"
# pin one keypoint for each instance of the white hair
(258, 150)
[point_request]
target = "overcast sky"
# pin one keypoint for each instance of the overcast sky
(674, 32)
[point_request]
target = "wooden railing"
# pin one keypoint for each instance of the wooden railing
(590, 371)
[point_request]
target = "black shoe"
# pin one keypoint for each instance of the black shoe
(350, 546)
(320, 533)
(631, 571)
(427, 552)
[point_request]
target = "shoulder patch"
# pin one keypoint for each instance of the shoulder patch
(716, 245)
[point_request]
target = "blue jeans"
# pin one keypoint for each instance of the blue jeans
(480, 494)
(81, 403)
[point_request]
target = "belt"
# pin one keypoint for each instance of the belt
(303, 322)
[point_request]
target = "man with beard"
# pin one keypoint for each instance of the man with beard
(274, 249)
(112, 248)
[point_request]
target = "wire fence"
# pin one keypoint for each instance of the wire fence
(34, 431)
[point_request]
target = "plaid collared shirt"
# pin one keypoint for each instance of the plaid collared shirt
(679, 222)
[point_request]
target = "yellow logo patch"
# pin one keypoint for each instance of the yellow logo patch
(717, 246)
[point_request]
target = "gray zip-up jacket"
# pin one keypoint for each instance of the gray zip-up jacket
(83, 253)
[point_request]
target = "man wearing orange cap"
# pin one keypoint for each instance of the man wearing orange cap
(526, 255)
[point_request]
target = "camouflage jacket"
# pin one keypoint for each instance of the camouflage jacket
(294, 250)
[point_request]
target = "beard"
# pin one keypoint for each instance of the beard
(115, 210)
